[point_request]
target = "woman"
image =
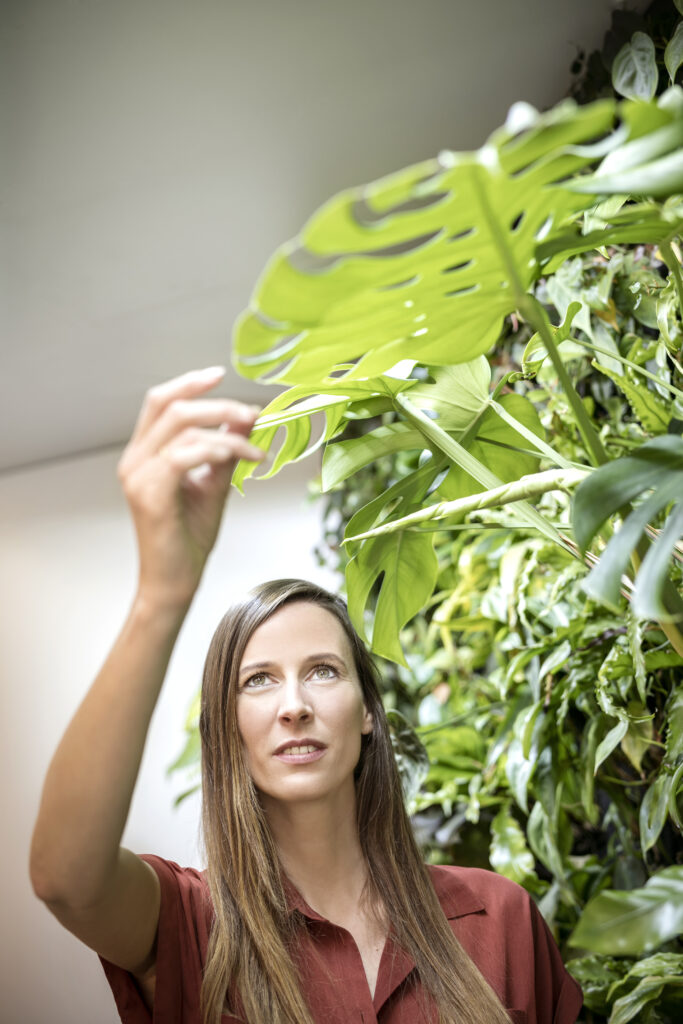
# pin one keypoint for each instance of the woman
(315, 905)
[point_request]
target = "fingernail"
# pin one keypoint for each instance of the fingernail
(212, 371)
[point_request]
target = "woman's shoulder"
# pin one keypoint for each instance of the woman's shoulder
(171, 869)
(185, 887)
(503, 931)
(463, 891)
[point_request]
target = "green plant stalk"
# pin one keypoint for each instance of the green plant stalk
(669, 255)
(531, 310)
(435, 435)
(628, 362)
(518, 490)
(535, 440)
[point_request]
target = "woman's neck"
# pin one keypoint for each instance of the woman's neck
(320, 851)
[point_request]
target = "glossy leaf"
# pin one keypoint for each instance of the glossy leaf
(647, 601)
(635, 922)
(344, 458)
(673, 54)
(657, 465)
(604, 582)
(509, 854)
(618, 483)
(409, 566)
(634, 71)
(648, 991)
(653, 411)
(654, 810)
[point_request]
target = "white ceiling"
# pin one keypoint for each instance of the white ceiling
(155, 152)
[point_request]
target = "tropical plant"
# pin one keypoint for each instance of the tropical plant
(422, 268)
(488, 346)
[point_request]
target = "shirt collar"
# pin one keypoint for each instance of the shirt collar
(456, 896)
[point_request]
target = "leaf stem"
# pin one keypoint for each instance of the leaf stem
(627, 362)
(517, 490)
(532, 310)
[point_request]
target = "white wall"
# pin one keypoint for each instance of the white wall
(67, 573)
(155, 152)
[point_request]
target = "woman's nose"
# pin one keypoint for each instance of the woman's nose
(294, 704)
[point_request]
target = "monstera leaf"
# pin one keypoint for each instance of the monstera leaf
(420, 269)
(293, 411)
(425, 264)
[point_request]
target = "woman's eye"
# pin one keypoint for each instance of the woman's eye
(254, 682)
(324, 672)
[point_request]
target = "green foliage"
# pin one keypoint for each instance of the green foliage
(413, 276)
(634, 72)
(488, 346)
(655, 466)
(632, 922)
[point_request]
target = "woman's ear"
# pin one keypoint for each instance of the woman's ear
(368, 722)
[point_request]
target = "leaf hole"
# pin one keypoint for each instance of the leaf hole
(365, 215)
(517, 221)
(286, 345)
(544, 229)
(462, 291)
(461, 234)
(457, 266)
(400, 284)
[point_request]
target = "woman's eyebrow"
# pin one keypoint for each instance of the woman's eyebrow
(323, 656)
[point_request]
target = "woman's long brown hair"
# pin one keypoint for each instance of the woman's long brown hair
(250, 971)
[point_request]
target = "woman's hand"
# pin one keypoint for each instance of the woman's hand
(176, 514)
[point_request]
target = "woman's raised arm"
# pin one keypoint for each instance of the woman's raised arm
(104, 894)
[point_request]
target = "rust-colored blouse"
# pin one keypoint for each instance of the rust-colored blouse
(494, 919)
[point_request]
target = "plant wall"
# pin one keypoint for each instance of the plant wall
(487, 347)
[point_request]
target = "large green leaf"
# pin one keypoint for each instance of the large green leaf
(658, 466)
(344, 458)
(497, 445)
(636, 921)
(408, 565)
(426, 263)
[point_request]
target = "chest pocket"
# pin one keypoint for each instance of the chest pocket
(517, 1016)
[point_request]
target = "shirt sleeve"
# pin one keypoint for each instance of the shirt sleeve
(558, 996)
(182, 939)
(514, 949)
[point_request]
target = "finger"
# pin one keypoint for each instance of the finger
(183, 414)
(213, 449)
(187, 385)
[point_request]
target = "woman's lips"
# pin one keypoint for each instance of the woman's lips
(289, 757)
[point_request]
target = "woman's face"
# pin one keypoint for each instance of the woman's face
(300, 709)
